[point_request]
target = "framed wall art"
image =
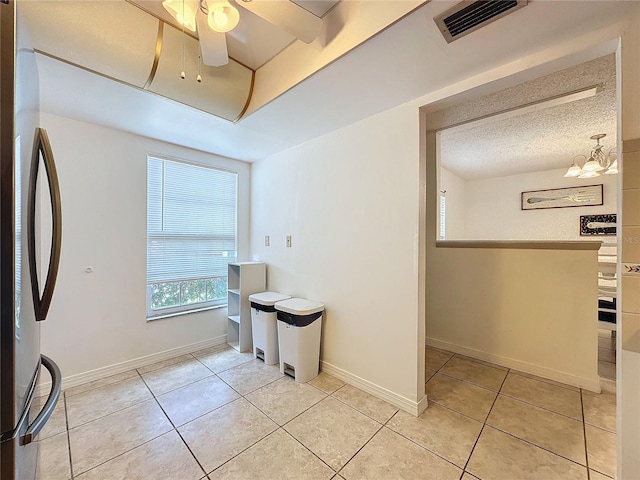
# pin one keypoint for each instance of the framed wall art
(584, 196)
(598, 224)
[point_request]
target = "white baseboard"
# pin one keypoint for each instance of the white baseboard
(403, 403)
(591, 384)
(103, 372)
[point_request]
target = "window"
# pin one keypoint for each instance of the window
(443, 215)
(191, 236)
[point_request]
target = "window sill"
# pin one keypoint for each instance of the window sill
(186, 312)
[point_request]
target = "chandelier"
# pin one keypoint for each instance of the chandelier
(597, 163)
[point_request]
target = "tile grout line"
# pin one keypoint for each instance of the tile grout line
(358, 451)
(584, 432)
(499, 392)
(462, 380)
(532, 443)
(500, 367)
(335, 472)
(291, 419)
(382, 426)
(418, 444)
(360, 411)
(253, 444)
(327, 395)
(114, 411)
(174, 429)
(484, 423)
(66, 424)
(143, 443)
(536, 446)
(243, 396)
(538, 406)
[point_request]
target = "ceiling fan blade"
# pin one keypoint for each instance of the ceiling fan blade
(288, 16)
(213, 45)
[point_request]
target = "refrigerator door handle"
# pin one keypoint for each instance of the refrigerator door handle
(41, 146)
(50, 404)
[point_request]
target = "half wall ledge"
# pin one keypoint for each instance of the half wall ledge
(519, 244)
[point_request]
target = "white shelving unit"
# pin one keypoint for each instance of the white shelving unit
(245, 278)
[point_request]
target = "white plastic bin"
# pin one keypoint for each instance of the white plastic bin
(263, 322)
(299, 330)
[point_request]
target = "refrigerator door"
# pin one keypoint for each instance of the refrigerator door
(19, 330)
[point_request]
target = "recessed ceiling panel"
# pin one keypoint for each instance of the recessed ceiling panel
(115, 39)
(224, 91)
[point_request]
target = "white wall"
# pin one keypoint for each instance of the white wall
(490, 208)
(98, 319)
(350, 201)
(455, 188)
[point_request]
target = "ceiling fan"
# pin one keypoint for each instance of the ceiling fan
(211, 19)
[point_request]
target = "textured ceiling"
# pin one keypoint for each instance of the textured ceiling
(543, 140)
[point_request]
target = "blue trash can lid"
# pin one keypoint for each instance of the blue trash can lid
(299, 306)
(267, 299)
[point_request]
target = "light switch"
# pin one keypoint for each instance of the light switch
(288, 241)
(266, 240)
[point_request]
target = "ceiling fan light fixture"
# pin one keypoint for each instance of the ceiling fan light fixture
(222, 16)
(184, 11)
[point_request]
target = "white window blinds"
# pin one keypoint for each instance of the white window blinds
(443, 216)
(191, 221)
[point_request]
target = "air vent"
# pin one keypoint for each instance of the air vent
(468, 16)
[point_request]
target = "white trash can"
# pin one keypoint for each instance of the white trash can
(299, 330)
(264, 328)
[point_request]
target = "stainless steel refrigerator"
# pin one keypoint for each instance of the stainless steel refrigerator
(28, 191)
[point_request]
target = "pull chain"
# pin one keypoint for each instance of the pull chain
(199, 77)
(182, 73)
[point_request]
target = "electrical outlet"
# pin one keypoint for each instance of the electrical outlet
(266, 240)
(288, 241)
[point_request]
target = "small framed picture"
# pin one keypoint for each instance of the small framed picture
(598, 224)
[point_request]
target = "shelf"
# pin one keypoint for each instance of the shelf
(244, 279)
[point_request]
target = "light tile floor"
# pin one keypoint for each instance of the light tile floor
(219, 414)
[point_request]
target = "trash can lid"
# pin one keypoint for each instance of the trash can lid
(267, 299)
(299, 306)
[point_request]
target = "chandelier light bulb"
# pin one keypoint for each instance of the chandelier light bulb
(613, 169)
(592, 165)
(574, 169)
